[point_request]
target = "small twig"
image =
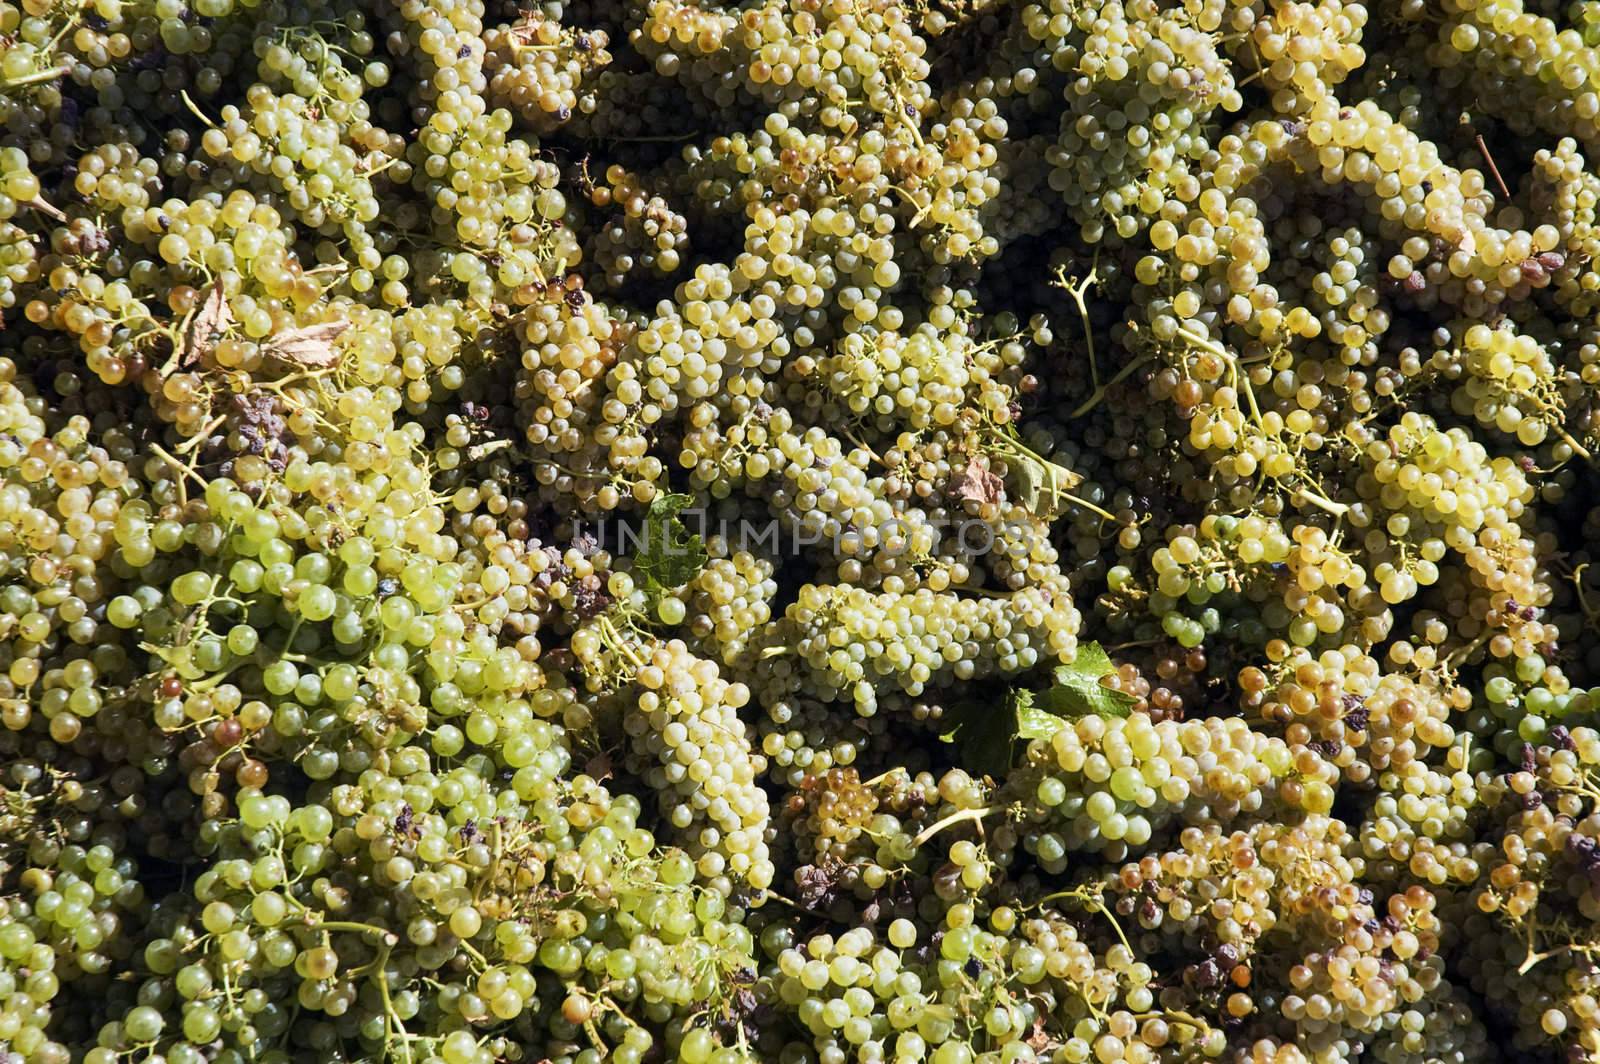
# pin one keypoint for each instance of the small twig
(35, 78)
(483, 450)
(183, 469)
(1321, 501)
(180, 345)
(38, 204)
(1577, 586)
(200, 437)
(618, 644)
(390, 1017)
(194, 108)
(851, 436)
(1135, 643)
(1188, 1019)
(1077, 292)
(954, 818)
(1094, 903)
(1534, 958)
(1461, 654)
(1493, 169)
(1100, 392)
(796, 906)
(1577, 448)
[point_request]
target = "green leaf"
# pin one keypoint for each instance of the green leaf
(1030, 480)
(1091, 660)
(1033, 722)
(177, 658)
(1040, 483)
(988, 751)
(984, 736)
(988, 736)
(1077, 691)
(671, 555)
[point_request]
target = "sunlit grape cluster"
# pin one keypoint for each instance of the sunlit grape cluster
(812, 531)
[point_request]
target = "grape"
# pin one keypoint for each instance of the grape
(830, 533)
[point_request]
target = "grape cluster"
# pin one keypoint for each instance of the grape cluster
(821, 531)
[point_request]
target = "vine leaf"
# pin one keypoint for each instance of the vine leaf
(1040, 482)
(988, 739)
(1033, 722)
(977, 484)
(671, 555)
(1078, 692)
(210, 322)
(985, 740)
(310, 345)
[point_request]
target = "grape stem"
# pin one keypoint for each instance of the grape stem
(851, 436)
(39, 204)
(386, 938)
(1459, 656)
(1077, 292)
(957, 817)
(981, 592)
(606, 1000)
(1242, 382)
(1010, 447)
(617, 643)
(921, 209)
(791, 903)
(1555, 411)
(1094, 903)
(1493, 169)
(593, 1034)
(199, 438)
(483, 450)
(369, 170)
(1205, 343)
(1577, 448)
(1177, 1016)
(1099, 393)
(661, 138)
(194, 108)
(1321, 501)
(1534, 958)
(1577, 587)
(186, 470)
(390, 1017)
(35, 78)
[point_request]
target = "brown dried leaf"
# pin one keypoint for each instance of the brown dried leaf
(599, 766)
(210, 321)
(977, 484)
(311, 345)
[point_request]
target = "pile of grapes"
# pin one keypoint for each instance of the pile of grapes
(801, 531)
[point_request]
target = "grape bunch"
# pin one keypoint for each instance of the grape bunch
(813, 531)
